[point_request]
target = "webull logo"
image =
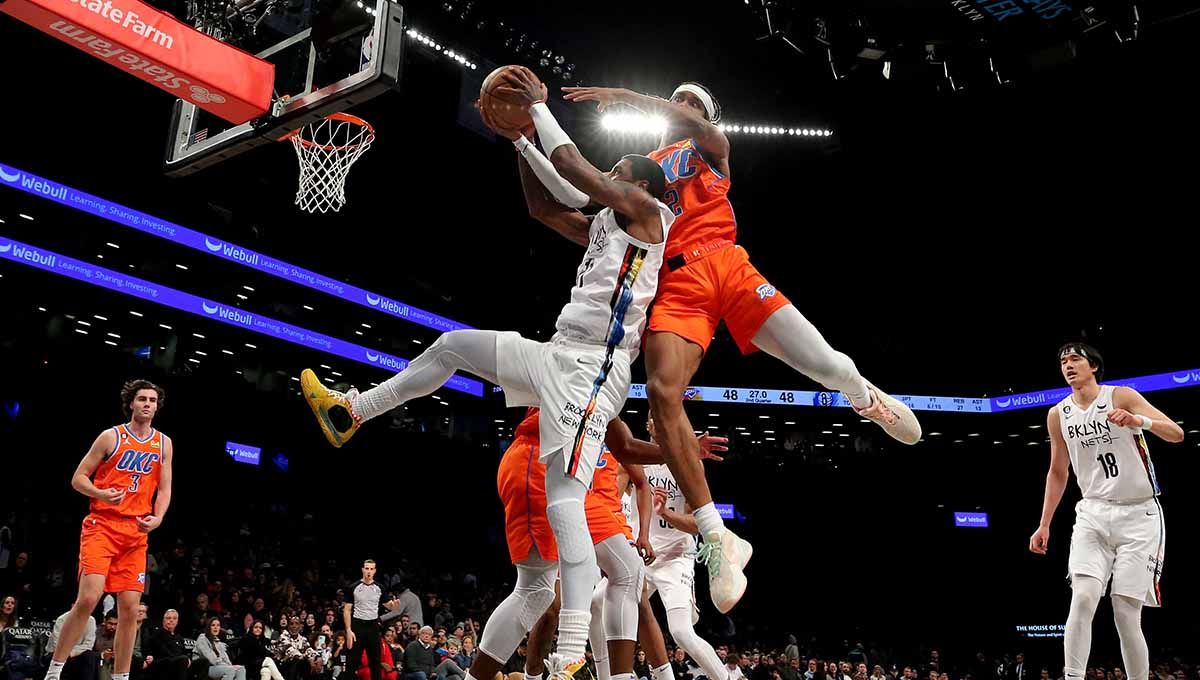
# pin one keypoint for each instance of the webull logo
(387, 361)
(232, 252)
(1193, 376)
(1021, 400)
(387, 305)
(235, 315)
(29, 255)
(9, 177)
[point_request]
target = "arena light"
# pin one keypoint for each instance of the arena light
(453, 55)
(772, 130)
(633, 123)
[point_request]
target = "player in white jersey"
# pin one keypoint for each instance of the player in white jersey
(673, 534)
(580, 379)
(1119, 535)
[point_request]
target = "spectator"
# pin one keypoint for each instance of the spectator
(877, 673)
(1118, 673)
(410, 636)
(641, 669)
(8, 612)
(731, 665)
(296, 658)
(81, 664)
(858, 654)
(792, 651)
(254, 652)
(310, 624)
(105, 639)
(812, 674)
(834, 671)
(410, 605)
(789, 668)
(170, 657)
(420, 657)
(444, 618)
(516, 662)
(199, 616)
(337, 655)
(448, 667)
(393, 643)
(679, 665)
(331, 619)
(467, 656)
(18, 579)
(765, 669)
(212, 649)
(139, 662)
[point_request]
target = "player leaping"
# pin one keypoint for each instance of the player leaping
(708, 279)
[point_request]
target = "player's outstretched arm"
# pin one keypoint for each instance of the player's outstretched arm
(630, 450)
(1056, 483)
(622, 197)
(568, 222)
(81, 481)
(1132, 410)
(683, 521)
(643, 495)
(712, 142)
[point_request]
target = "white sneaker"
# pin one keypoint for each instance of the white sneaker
(558, 667)
(892, 415)
(726, 582)
(742, 551)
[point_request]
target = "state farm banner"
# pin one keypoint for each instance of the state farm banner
(154, 46)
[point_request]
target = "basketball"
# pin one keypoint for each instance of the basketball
(507, 111)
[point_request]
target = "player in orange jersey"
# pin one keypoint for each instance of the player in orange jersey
(706, 278)
(520, 481)
(121, 474)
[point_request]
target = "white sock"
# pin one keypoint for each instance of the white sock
(624, 676)
(708, 520)
(532, 677)
(603, 668)
(573, 633)
(120, 676)
(55, 670)
(664, 672)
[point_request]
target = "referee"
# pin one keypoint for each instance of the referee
(361, 616)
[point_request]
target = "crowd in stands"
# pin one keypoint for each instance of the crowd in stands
(233, 611)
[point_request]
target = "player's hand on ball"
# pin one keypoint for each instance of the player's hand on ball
(113, 495)
(511, 135)
(645, 549)
(525, 85)
(148, 523)
(1039, 540)
(1123, 418)
(603, 96)
(709, 443)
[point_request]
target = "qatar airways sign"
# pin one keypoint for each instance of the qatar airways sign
(154, 46)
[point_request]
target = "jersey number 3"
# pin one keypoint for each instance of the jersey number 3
(133, 482)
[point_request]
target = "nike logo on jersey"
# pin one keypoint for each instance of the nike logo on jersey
(1101, 407)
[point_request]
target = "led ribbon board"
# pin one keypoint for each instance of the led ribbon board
(119, 214)
(186, 302)
(149, 224)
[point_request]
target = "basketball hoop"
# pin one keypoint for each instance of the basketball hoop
(326, 149)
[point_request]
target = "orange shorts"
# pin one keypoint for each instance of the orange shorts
(115, 547)
(521, 481)
(723, 284)
(603, 523)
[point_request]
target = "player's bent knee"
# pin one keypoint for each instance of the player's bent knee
(535, 604)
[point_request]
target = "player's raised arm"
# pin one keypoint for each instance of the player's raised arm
(693, 121)
(623, 197)
(569, 222)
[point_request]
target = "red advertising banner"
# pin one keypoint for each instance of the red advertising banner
(154, 46)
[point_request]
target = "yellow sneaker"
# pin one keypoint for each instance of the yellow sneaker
(322, 400)
(558, 667)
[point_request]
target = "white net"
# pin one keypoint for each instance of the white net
(326, 149)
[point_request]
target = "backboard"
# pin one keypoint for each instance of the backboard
(328, 54)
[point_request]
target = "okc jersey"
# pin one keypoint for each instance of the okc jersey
(134, 465)
(697, 195)
(1111, 463)
(602, 505)
(614, 285)
(666, 540)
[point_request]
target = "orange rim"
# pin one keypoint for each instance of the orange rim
(344, 117)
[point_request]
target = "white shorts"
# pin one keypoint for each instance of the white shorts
(1124, 542)
(675, 581)
(576, 386)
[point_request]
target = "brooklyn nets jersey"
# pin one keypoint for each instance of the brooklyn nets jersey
(1111, 463)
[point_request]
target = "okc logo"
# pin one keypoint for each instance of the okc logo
(765, 291)
(142, 577)
(137, 461)
(691, 394)
(603, 460)
(201, 95)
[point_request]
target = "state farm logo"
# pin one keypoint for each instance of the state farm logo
(202, 95)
